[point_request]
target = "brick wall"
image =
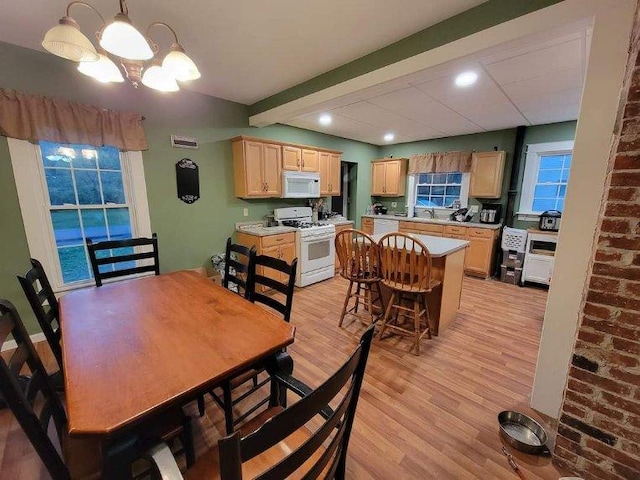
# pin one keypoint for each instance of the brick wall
(599, 429)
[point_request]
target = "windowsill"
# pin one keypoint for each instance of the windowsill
(528, 216)
(62, 289)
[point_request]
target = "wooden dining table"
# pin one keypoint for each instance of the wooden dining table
(138, 347)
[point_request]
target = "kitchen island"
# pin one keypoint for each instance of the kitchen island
(447, 256)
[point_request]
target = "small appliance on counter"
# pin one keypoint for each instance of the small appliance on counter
(550, 220)
(379, 209)
(490, 213)
(461, 215)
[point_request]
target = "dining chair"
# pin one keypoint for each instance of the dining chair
(359, 261)
(278, 443)
(44, 304)
(283, 286)
(105, 257)
(236, 269)
(406, 269)
(29, 394)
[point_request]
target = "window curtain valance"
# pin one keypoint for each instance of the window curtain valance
(438, 162)
(34, 118)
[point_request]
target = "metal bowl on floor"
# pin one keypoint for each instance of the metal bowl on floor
(523, 432)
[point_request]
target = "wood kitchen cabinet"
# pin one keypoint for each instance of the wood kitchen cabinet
(487, 169)
(310, 161)
(421, 228)
(291, 158)
(367, 225)
(329, 167)
(480, 252)
(389, 177)
(282, 246)
(257, 169)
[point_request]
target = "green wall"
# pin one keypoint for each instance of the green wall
(188, 234)
(553, 132)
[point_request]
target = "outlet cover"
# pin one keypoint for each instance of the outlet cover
(394, 204)
(245, 212)
(473, 208)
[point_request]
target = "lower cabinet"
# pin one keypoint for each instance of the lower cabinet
(367, 225)
(282, 246)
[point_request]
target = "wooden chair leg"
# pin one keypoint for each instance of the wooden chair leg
(228, 407)
(416, 323)
(381, 299)
(387, 314)
(427, 317)
(346, 303)
(355, 309)
(369, 303)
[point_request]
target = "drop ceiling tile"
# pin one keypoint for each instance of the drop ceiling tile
(570, 79)
(417, 106)
(539, 62)
(553, 113)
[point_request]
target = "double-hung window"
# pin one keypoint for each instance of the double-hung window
(71, 193)
(438, 190)
(546, 175)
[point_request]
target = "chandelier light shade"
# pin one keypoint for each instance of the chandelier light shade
(67, 41)
(160, 79)
(123, 40)
(104, 70)
(136, 53)
(180, 65)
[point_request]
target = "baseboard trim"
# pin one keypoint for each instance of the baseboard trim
(11, 344)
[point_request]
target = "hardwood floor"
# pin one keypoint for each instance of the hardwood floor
(432, 416)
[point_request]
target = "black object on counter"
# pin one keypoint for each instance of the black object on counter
(379, 209)
(550, 220)
(491, 213)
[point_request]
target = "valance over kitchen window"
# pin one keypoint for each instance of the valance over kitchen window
(440, 162)
(35, 118)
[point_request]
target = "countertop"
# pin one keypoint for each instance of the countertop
(438, 246)
(252, 228)
(488, 226)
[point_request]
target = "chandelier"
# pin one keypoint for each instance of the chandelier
(137, 53)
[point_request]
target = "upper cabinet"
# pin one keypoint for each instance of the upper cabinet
(487, 169)
(389, 177)
(329, 166)
(257, 169)
(258, 166)
(309, 161)
(291, 158)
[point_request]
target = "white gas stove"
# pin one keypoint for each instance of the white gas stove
(314, 244)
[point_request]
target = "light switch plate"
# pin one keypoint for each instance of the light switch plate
(473, 209)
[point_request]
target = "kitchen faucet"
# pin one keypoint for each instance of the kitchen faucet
(432, 212)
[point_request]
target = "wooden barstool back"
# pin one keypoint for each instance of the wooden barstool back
(405, 263)
(359, 259)
(405, 268)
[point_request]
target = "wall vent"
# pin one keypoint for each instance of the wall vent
(178, 141)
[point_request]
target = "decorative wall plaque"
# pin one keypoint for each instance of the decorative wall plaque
(188, 180)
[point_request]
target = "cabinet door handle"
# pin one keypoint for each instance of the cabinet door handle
(303, 163)
(298, 162)
(266, 187)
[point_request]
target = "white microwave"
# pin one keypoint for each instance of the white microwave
(300, 185)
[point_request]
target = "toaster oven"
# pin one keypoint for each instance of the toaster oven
(550, 220)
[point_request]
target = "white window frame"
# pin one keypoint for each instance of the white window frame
(31, 184)
(412, 184)
(531, 168)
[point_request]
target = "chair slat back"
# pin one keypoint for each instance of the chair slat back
(236, 266)
(234, 450)
(286, 287)
(405, 262)
(26, 388)
(118, 258)
(358, 255)
(44, 304)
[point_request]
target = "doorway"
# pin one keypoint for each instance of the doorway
(344, 204)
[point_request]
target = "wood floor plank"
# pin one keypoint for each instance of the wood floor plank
(432, 416)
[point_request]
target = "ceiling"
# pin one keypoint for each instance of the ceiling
(530, 81)
(247, 51)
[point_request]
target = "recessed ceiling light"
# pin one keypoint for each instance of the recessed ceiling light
(388, 137)
(325, 119)
(466, 78)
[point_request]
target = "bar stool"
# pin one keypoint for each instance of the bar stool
(406, 270)
(360, 264)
